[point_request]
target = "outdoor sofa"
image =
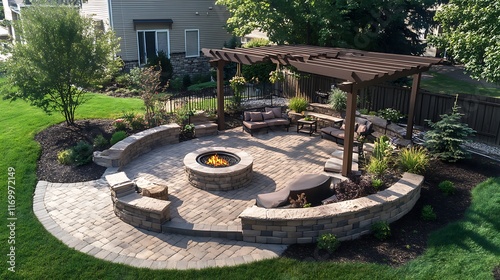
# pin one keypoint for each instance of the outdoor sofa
(271, 117)
(362, 127)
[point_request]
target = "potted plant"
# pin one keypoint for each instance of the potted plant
(390, 115)
(298, 104)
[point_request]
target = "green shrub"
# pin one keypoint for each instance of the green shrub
(382, 148)
(100, 142)
(65, 157)
(428, 213)
(377, 183)
(381, 230)
(198, 87)
(338, 100)
(445, 139)
(120, 124)
(186, 81)
(414, 160)
(329, 242)
(138, 123)
(377, 166)
(390, 114)
(166, 66)
(298, 104)
(447, 187)
(117, 137)
(82, 153)
(175, 84)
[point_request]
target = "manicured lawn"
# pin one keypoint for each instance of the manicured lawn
(468, 249)
(441, 83)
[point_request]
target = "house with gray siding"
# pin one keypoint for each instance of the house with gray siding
(180, 28)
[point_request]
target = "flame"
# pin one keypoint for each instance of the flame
(216, 161)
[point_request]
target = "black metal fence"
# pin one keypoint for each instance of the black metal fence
(206, 99)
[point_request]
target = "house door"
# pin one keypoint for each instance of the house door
(152, 42)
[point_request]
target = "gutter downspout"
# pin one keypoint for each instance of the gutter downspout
(110, 10)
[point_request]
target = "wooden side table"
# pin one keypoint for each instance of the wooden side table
(311, 126)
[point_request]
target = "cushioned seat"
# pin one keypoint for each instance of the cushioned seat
(272, 116)
(316, 187)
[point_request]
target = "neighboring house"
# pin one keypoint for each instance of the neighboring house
(180, 28)
(255, 34)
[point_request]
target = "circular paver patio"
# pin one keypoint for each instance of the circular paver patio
(81, 214)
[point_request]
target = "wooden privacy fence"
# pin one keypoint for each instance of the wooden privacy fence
(481, 113)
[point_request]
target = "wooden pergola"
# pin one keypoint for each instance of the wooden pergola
(357, 68)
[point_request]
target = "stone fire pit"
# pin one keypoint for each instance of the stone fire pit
(204, 176)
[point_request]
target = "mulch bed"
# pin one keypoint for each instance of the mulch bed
(409, 234)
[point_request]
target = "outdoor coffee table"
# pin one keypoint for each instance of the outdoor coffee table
(311, 126)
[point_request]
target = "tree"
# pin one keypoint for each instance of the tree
(471, 34)
(61, 55)
(446, 137)
(379, 25)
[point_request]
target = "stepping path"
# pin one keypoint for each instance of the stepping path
(81, 214)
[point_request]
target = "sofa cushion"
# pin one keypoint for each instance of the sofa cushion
(338, 134)
(268, 115)
(254, 125)
(328, 130)
(256, 116)
(276, 111)
(273, 122)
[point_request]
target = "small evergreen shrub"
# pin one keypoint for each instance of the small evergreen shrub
(200, 86)
(65, 157)
(414, 160)
(175, 84)
(329, 242)
(117, 137)
(381, 230)
(377, 166)
(445, 139)
(338, 100)
(100, 142)
(82, 153)
(298, 104)
(377, 183)
(428, 213)
(447, 187)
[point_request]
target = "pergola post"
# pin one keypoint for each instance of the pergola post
(220, 94)
(413, 100)
(350, 117)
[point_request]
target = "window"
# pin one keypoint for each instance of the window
(150, 42)
(192, 42)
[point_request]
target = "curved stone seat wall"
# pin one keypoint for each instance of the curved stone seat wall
(346, 219)
(133, 146)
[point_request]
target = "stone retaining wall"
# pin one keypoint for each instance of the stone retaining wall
(347, 219)
(135, 145)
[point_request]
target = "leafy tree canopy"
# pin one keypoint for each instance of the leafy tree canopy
(61, 55)
(378, 25)
(471, 34)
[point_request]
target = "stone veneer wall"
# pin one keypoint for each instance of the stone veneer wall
(181, 64)
(346, 219)
(135, 145)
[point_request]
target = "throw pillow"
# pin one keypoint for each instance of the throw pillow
(255, 116)
(361, 129)
(268, 115)
(246, 116)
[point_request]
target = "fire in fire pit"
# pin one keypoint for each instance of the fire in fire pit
(218, 159)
